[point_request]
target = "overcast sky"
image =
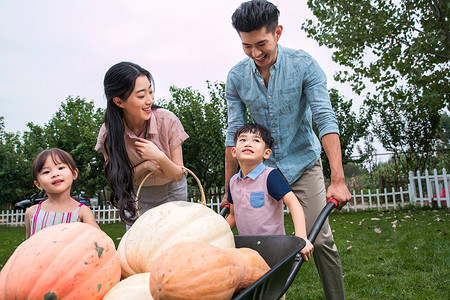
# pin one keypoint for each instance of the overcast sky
(51, 49)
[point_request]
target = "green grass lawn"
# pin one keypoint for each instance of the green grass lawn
(386, 255)
(401, 254)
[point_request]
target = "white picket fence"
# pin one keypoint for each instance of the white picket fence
(423, 190)
(379, 200)
(103, 214)
(106, 214)
(428, 188)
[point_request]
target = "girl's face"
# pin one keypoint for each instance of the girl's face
(55, 177)
(137, 107)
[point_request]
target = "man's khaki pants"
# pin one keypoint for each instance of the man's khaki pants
(310, 191)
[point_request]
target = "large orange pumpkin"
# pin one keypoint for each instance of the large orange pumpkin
(196, 270)
(251, 266)
(193, 270)
(65, 261)
(166, 225)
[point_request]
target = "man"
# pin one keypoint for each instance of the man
(284, 90)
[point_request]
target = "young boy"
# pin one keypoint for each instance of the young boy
(256, 190)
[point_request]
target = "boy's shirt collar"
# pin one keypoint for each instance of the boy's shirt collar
(254, 173)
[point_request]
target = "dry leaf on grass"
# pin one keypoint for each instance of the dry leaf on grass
(377, 230)
(394, 224)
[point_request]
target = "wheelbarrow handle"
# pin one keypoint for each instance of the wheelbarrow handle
(333, 203)
(225, 210)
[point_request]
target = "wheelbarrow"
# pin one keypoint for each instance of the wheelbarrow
(282, 254)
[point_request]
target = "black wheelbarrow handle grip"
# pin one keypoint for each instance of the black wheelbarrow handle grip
(311, 237)
(225, 210)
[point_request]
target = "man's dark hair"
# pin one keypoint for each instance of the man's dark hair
(255, 14)
(256, 129)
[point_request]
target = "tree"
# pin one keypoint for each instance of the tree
(74, 128)
(402, 49)
(15, 176)
(352, 128)
(368, 155)
(205, 122)
(444, 143)
(388, 42)
(445, 131)
(409, 131)
(34, 141)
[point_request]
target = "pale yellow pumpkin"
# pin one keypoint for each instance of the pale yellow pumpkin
(135, 287)
(166, 225)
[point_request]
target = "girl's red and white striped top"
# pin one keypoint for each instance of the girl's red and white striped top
(42, 218)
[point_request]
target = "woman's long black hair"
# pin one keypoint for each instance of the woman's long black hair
(119, 82)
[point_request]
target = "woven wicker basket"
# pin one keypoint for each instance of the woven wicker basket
(202, 201)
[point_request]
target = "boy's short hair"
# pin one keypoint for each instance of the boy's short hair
(255, 14)
(57, 155)
(255, 128)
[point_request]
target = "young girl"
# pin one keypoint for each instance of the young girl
(139, 137)
(54, 171)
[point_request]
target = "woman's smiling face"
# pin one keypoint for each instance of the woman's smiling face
(137, 107)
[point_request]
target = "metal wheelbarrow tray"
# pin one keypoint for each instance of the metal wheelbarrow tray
(281, 252)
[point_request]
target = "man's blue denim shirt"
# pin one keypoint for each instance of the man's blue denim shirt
(296, 93)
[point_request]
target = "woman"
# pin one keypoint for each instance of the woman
(138, 137)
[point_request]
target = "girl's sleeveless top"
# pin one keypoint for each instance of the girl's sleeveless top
(42, 219)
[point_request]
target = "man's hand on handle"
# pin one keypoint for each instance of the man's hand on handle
(340, 192)
(337, 189)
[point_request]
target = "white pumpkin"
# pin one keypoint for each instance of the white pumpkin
(166, 225)
(135, 287)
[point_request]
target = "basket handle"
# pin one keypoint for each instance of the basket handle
(202, 201)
